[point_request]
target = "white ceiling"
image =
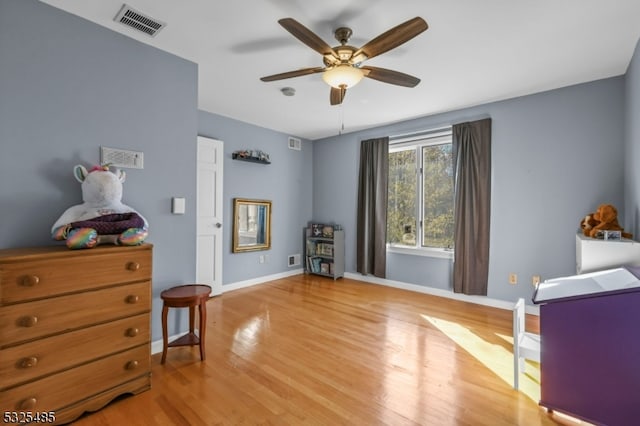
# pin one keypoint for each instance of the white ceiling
(473, 52)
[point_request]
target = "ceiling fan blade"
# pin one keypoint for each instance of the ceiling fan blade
(307, 36)
(392, 77)
(290, 74)
(393, 38)
(337, 95)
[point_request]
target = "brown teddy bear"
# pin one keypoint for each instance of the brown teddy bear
(607, 218)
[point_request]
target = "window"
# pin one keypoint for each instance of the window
(420, 205)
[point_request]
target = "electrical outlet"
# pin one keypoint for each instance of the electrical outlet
(261, 259)
(535, 280)
(513, 278)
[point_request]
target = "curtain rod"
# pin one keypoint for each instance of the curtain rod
(420, 133)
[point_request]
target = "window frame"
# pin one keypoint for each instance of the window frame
(417, 142)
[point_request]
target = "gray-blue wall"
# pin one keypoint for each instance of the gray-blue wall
(286, 182)
(556, 156)
(632, 144)
(69, 86)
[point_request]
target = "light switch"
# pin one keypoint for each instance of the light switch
(178, 205)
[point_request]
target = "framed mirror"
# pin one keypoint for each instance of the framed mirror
(251, 225)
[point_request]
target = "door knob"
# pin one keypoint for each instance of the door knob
(218, 225)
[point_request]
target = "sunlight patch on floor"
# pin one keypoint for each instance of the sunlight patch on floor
(495, 357)
(247, 335)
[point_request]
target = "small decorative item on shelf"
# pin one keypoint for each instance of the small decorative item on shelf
(255, 156)
(610, 235)
(316, 229)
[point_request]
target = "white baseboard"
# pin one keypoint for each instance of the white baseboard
(479, 300)
(260, 280)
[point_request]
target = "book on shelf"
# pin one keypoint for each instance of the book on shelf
(324, 268)
(315, 264)
(311, 248)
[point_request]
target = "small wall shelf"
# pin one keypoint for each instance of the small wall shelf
(235, 156)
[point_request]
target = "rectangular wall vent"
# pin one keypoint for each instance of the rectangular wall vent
(295, 143)
(138, 21)
(121, 158)
(294, 260)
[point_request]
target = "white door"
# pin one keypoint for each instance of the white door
(209, 213)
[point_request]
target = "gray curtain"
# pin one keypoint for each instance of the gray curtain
(371, 238)
(472, 207)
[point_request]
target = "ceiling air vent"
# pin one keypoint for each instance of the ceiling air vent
(138, 21)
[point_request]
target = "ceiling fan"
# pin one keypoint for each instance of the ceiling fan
(343, 67)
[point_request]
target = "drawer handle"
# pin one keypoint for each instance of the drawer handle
(132, 298)
(28, 404)
(28, 362)
(132, 332)
(29, 280)
(132, 365)
(133, 266)
(29, 321)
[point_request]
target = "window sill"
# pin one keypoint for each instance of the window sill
(426, 252)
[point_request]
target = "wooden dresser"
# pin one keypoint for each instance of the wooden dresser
(74, 328)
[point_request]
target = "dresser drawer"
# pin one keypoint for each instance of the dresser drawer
(37, 277)
(54, 392)
(28, 321)
(31, 360)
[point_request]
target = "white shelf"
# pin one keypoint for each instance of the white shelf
(593, 254)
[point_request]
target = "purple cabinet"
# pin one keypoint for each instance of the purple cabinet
(590, 352)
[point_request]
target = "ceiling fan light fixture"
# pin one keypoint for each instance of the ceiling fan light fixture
(343, 75)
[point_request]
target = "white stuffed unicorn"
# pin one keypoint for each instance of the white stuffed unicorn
(102, 218)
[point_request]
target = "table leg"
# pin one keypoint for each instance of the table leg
(192, 316)
(165, 333)
(203, 326)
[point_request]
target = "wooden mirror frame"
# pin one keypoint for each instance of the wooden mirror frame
(243, 240)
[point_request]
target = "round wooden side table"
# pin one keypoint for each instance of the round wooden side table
(185, 296)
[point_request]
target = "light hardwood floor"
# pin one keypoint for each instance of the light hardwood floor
(306, 350)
